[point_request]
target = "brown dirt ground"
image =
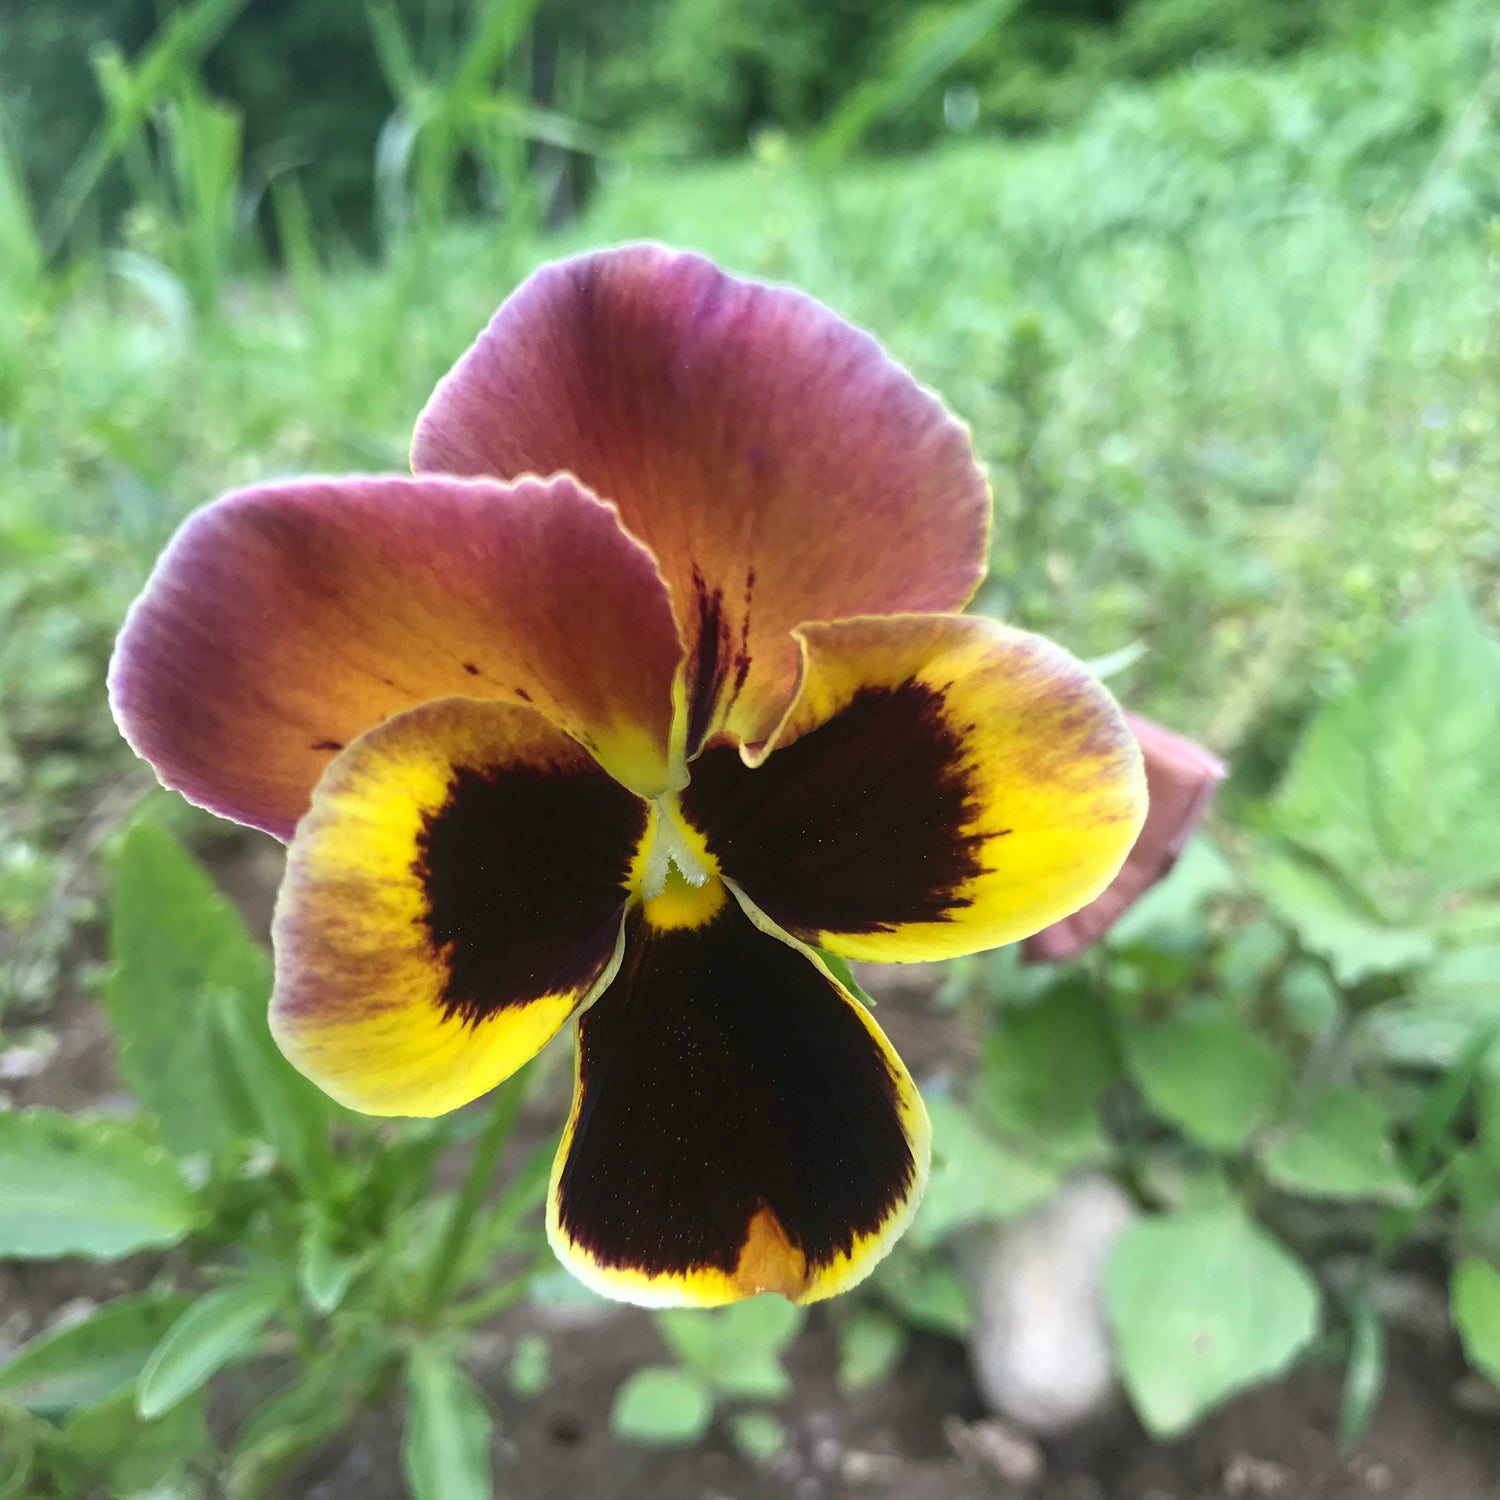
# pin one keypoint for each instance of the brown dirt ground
(895, 1440)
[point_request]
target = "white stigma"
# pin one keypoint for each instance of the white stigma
(669, 849)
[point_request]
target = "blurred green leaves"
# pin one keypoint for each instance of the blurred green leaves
(70, 1185)
(1203, 1303)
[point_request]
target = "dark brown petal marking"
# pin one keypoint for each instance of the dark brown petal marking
(721, 1074)
(524, 872)
(720, 665)
(859, 826)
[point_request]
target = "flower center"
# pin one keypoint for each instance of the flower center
(676, 876)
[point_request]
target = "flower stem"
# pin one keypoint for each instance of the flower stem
(504, 1107)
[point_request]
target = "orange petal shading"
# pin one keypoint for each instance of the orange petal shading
(778, 463)
(940, 785)
(457, 888)
(740, 1124)
(283, 621)
(1181, 777)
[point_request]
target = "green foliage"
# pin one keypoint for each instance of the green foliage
(82, 1364)
(322, 1230)
(870, 1345)
(1211, 1076)
(216, 1329)
(1203, 1303)
(446, 1448)
(727, 1354)
(662, 1404)
(1476, 1314)
(77, 1186)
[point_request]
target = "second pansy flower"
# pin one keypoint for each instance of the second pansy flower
(632, 742)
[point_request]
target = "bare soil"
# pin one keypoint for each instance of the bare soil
(909, 1437)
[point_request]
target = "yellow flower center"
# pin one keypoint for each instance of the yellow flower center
(673, 872)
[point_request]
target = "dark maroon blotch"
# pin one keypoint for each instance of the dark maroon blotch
(524, 873)
(855, 827)
(721, 1073)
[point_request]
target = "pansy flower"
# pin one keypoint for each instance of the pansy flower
(640, 692)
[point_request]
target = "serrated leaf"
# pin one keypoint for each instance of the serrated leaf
(1208, 1075)
(76, 1186)
(1474, 1294)
(216, 1330)
(1393, 781)
(662, 1405)
(1338, 1145)
(1334, 922)
(1203, 1303)
(445, 1451)
(870, 1344)
(87, 1362)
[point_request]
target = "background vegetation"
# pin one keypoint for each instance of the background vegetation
(1218, 288)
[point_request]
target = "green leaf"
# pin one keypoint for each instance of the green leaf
(927, 1292)
(1393, 782)
(752, 1375)
(323, 1273)
(769, 1322)
(839, 968)
(1044, 1070)
(530, 1366)
(734, 1347)
(187, 980)
(139, 1459)
(1338, 1145)
(1474, 1294)
(173, 941)
(870, 1344)
(76, 1186)
(1208, 1075)
(87, 1362)
(1203, 1303)
(216, 1330)
(321, 1399)
(662, 1404)
(1335, 922)
(973, 1179)
(445, 1450)
(758, 1435)
(1364, 1376)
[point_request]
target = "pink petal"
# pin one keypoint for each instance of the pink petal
(778, 463)
(284, 621)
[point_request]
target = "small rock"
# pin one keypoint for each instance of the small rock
(1244, 1475)
(859, 1467)
(1040, 1345)
(1009, 1455)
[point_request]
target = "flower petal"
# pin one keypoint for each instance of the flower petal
(778, 463)
(1181, 777)
(740, 1125)
(940, 785)
(456, 889)
(284, 621)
